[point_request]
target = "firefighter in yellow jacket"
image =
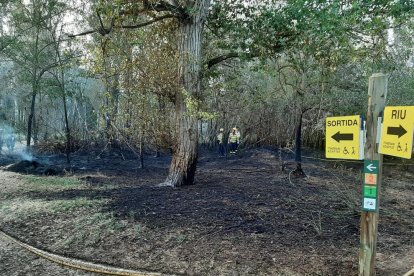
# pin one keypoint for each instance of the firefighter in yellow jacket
(220, 142)
(234, 139)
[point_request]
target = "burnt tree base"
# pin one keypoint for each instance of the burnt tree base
(298, 172)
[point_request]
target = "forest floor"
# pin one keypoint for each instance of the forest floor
(243, 216)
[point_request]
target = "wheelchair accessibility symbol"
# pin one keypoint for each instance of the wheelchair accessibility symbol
(346, 151)
(399, 148)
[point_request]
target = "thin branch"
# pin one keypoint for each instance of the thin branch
(221, 58)
(100, 21)
(82, 33)
(156, 19)
(55, 64)
(102, 30)
(227, 56)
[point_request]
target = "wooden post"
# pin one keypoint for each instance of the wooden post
(377, 93)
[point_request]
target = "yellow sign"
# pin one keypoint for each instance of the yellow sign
(397, 131)
(343, 136)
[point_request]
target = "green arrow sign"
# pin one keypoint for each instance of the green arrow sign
(371, 166)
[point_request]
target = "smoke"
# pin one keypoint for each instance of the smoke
(11, 144)
(24, 155)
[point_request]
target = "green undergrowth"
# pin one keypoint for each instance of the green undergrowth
(93, 229)
(37, 198)
(64, 183)
(69, 205)
(52, 181)
(25, 208)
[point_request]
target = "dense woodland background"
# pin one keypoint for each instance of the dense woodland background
(160, 76)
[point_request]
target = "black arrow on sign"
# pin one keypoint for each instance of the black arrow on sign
(400, 131)
(343, 137)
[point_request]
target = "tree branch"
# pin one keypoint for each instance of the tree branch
(102, 30)
(156, 19)
(82, 33)
(221, 58)
(140, 25)
(227, 56)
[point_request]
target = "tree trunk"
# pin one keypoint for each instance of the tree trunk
(183, 164)
(298, 148)
(35, 86)
(141, 151)
(68, 146)
(31, 115)
(109, 89)
(67, 129)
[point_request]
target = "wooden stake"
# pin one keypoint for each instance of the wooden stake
(377, 93)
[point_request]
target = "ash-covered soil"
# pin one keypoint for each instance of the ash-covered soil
(243, 216)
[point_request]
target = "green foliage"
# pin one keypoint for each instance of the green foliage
(250, 29)
(50, 181)
(291, 56)
(194, 105)
(324, 29)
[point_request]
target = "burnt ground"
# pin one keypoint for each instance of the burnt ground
(16, 261)
(244, 216)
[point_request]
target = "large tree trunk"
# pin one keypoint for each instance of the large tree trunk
(183, 165)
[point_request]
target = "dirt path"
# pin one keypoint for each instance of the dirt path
(16, 261)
